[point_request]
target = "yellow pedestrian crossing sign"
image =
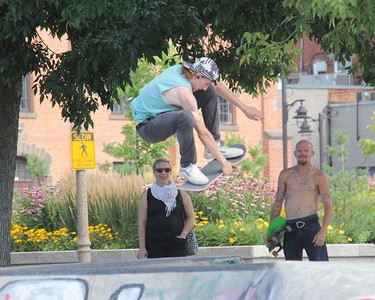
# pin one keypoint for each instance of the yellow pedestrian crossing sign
(83, 150)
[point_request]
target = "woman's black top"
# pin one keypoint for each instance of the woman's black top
(160, 226)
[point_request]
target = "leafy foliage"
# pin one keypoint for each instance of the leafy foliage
(258, 161)
(368, 145)
(260, 52)
(254, 165)
(339, 150)
(107, 39)
(351, 194)
(252, 42)
(233, 212)
(37, 167)
(137, 154)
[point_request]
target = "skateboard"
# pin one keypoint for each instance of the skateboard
(212, 170)
(275, 235)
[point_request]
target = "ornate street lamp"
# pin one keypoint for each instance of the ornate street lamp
(301, 113)
(305, 130)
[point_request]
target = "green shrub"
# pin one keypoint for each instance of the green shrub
(233, 211)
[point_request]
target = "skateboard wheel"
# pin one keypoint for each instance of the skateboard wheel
(275, 254)
(274, 239)
(288, 228)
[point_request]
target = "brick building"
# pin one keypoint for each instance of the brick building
(43, 133)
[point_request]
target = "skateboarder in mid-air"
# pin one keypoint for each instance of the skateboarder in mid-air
(169, 105)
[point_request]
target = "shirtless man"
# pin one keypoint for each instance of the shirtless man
(169, 105)
(301, 186)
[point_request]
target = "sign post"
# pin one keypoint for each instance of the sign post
(83, 157)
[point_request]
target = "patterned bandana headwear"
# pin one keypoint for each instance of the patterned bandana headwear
(166, 194)
(205, 66)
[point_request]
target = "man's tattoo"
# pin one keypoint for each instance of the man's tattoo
(280, 193)
(278, 204)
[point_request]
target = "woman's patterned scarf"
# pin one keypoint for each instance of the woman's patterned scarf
(166, 194)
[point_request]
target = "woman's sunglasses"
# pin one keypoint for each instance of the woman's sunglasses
(159, 170)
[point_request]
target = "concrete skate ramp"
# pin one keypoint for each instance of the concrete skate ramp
(189, 278)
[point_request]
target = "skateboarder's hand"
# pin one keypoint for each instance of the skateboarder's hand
(227, 168)
(253, 113)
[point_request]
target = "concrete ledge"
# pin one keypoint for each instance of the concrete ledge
(249, 254)
(189, 278)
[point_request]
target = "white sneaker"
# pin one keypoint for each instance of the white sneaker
(194, 175)
(228, 152)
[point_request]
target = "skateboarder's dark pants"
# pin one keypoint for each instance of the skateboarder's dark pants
(208, 102)
(301, 237)
(181, 122)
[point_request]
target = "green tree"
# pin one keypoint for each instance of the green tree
(368, 145)
(250, 40)
(137, 154)
(348, 187)
(107, 39)
(258, 161)
(339, 150)
(254, 165)
(342, 28)
(37, 167)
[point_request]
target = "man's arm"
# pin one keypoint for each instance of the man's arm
(327, 203)
(280, 195)
(249, 111)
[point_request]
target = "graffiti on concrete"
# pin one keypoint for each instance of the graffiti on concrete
(62, 289)
(45, 289)
(124, 280)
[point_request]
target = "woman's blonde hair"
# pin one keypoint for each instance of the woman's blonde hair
(163, 159)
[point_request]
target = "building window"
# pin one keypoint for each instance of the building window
(340, 68)
(21, 173)
(320, 67)
(225, 112)
(25, 105)
(366, 96)
(119, 111)
(120, 108)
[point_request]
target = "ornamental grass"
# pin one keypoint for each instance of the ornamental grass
(234, 211)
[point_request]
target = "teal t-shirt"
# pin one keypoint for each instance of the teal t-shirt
(150, 102)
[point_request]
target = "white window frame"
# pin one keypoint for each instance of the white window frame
(225, 111)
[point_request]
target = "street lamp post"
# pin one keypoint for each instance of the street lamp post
(305, 129)
(301, 113)
(284, 106)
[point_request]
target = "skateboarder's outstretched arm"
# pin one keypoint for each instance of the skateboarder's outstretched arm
(249, 111)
